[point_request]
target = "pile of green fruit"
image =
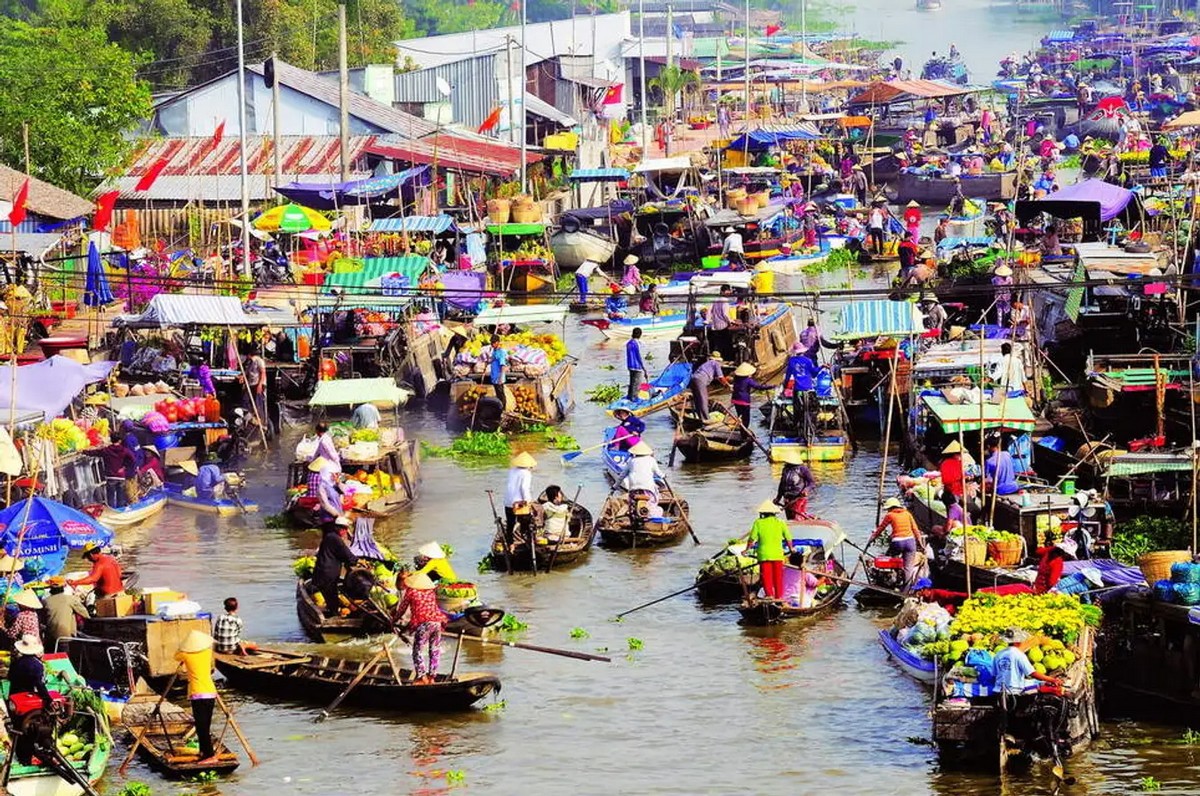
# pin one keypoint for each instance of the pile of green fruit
(72, 747)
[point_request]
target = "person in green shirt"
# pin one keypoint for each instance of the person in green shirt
(770, 537)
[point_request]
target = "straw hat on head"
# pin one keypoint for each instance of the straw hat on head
(953, 447)
(9, 564)
(55, 581)
(524, 461)
(1003, 270)
(431, 550)
(632, 259)
(418, 581)
(27, 599)
(196, 641)
(716, 355)
(315, 466)
(1068, 546)
(791, 456)
(745, 369)
(29, 644)
(343, 520)
(767, 507)
(913, 203)
(189, 466)
(641, 449)
(893, 503)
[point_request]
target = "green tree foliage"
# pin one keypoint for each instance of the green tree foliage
(434, 17)
(671, 82)
(79, 95)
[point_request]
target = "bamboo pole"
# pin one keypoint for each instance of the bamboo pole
(887, 438)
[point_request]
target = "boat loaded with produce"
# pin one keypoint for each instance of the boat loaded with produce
(538, 380)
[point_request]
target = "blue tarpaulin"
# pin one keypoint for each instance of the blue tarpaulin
(331, 196)
(759, 140)
(434, 225)
(42, 531)
(880, 318)
(599, 175)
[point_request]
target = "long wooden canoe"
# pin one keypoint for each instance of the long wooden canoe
(581, 531)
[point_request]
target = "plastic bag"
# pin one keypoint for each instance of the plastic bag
(306, 448)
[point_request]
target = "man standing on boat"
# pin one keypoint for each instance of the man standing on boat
(105, 576)
(795, 484)
(733, 250)
(634, 363)
(497, 369)
(719, 322)
(703, 376)
(582, 274)
(875, 236)
(858, 184)
(769, 537)
(518, 495)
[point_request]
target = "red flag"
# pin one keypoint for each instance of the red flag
(151, 175)
(104, 210)
(491, 121)
(613, 95)
(17, 214)
(218, 134)
(773, 29)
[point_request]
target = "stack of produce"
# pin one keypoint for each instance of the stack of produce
(190, 410)
(67, 436)
(976, 633)
(72, 747)
(1183, 588)
(152, 388)
(534, 353)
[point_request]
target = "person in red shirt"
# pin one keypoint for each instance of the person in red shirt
(951, 469)
(106, 574)
(425, 621)
(1050, 567)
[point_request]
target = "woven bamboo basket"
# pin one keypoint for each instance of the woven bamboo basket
(499, 210)
(1007, 553)
(976, 552)
(1156, 566)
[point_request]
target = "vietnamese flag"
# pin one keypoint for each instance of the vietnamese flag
(104, 210)
(218, 134)
(151, 175)
(17, 214)
(613, 95)
(492, 120)
(773, 29)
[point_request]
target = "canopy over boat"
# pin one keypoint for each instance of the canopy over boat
(525, 313)
(347, 392)
(184, 309)
(44, 389)
(42, 531)
(880, 318)
(1094, 200)
(433, 225)
(1012, 414)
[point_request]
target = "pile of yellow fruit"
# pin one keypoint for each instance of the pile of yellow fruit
(552, 344)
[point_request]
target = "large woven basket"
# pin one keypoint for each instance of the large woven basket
(1157, 566)
(976, 552)
(1007, 553)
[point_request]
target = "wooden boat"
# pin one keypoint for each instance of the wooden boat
(222, 507)
(758, 611)
(886, 572)
(581, 530)
(914, 666)
(654, 327)
(362, 621)
(400, 463)
(977, 727)
(719, 580)
(140, 510)
(572, 246)
(321, 679)
(667, 390)
(724, 440)
(822, 438)
(618, 529)
(169, 747)
(799, 263)
(992, 186)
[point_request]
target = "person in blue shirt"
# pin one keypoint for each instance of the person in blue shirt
(998, 471)
(210, 482)
(634, 363)
(615, 305)
(744, 384)
(1014, 672)
(497, 369)
(703, 376)
(802, 373)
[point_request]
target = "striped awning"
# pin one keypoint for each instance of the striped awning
(599, 175)
(1013, 414)
(1060, 35)
(878, 319)
(1127, 465)
(366, 279)
(434, 225)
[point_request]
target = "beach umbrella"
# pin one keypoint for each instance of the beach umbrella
(41, 532)
(290, 218)
(96, 292)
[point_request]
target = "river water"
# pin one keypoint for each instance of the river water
(704, 706)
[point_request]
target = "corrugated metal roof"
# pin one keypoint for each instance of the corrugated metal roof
(430, 224)
(884, 92)
(197, 170)
(543, 40)
(44, 199)
(35, 244)
(457, 153)
(538, 106)
(473, 80)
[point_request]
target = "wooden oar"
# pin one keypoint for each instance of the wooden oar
(582, 656)
(362, 673)
(695, 585)
(500, 531)
(571, 456)
(141, 736)
(753, 436)
(683, 515)
(254, 761)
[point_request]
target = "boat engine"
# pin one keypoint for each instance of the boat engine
(643, 506)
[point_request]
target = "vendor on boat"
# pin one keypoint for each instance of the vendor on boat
(905, 539)
(956, 518)
(366, 415)
(64, 609)
(431, 560)
(556, 513)
(632, 276)
(809, 343)
(425, 621)
(744, 384)
(227, 631)
(326, 449)
(935, 314)
(795, 484)
(999, 472)
(322, 486)
(650, 303)
(718, 323)
(210, 482)
(332, 555)
(769, 537)
(615, 305)
(582, 274)
(119, 468)
(733, 250)
(25, 620)
(105, 577)
(1050, 564)
(195, 655)
(629, 431)
(1009, 373)
(1015, 673)
(800, 376)
(702, 377)
(518, 495)
(951, 468)
(641, 471)
(27, 672)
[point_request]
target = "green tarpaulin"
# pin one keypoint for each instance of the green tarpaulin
(366, 279)
(350, 392)
(1013, 414)
(516, 229)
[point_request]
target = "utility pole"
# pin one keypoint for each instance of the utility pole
(524, 91)
(343, 92)
(642, 70)
(508, 80)
(241, 97)
(747, 76)
(669, 102)
(275, 114)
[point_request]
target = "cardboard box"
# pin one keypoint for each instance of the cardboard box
(154, 600)
(118, 605)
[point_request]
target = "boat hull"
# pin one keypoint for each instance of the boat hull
(138, 511)
(822, 451)
(222, 507)
(912, 665)
(572, 248)
(657, 327)
(1000, 186)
